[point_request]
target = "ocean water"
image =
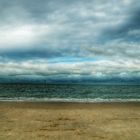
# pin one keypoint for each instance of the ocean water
(69, 92)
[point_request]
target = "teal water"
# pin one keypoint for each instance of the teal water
(70, 92)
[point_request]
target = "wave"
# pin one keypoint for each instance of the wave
(70, 100)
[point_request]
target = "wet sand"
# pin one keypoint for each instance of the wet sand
(69, 121)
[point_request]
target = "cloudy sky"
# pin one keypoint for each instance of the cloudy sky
(69, 40)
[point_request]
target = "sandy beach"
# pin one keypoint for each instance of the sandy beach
(69, 121)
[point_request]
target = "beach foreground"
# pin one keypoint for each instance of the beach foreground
(69, 121)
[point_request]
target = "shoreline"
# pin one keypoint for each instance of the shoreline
(68, 105)
(70, 100)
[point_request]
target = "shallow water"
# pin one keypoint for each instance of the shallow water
(68, 92)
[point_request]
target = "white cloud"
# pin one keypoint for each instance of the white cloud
(67, 25)
(99, 69)
(21, 35)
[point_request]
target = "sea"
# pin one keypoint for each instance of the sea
(69, 93)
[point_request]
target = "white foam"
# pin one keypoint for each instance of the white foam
(74, 100)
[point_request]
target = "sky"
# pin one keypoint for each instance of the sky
(70, 40)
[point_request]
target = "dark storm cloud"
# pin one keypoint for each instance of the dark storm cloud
(20, 55)
(30, 11)
(129, 31)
